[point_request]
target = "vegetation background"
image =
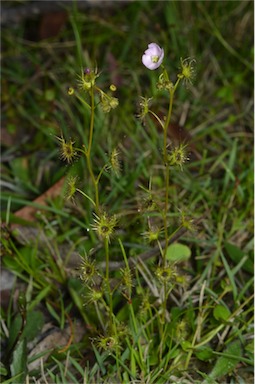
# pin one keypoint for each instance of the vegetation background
(43, 235)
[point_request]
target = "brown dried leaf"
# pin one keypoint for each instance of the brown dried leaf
(28, 212)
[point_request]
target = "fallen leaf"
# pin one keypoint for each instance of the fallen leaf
(28, 212)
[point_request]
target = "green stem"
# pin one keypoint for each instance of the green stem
(107, 279)
(157, 118)
(88, 152)
(167, 182)
(167, 169)
(83, 101)
(165, 212)
(92, 120)
(85, 195)
(100, 173)
(99, 316)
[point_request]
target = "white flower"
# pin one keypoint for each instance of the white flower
(153, 56)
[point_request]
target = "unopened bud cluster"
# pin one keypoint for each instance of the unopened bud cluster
(164, 82)
(108, 102)
(87, 79)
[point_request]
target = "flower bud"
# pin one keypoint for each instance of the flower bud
(87, 79)
(70, 91)
(164, 82)
(113, 88)
(108, 102)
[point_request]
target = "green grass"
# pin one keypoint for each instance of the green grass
(206, 333)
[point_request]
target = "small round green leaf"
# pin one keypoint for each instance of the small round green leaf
(178, 252)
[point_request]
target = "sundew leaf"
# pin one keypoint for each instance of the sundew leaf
(221, 313)
(178, 252)
(228, 361)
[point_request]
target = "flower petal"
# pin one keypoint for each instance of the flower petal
(153, 56)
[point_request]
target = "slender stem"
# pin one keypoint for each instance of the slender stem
(167, 122)
(85, 195)
(106, 246)
(167, 182)
(157, 118)
(88, 152)
(167, 169)
(99, 316)
(83, 101)
(165, 212)
(166, 125)
(92, 119)
(100, 173)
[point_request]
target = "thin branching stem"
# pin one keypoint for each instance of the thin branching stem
(88, 152)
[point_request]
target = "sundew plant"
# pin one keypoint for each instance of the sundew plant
(135, 266)
(101, 291)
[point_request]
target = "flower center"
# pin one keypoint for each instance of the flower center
(154, 59)
(186, 72)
